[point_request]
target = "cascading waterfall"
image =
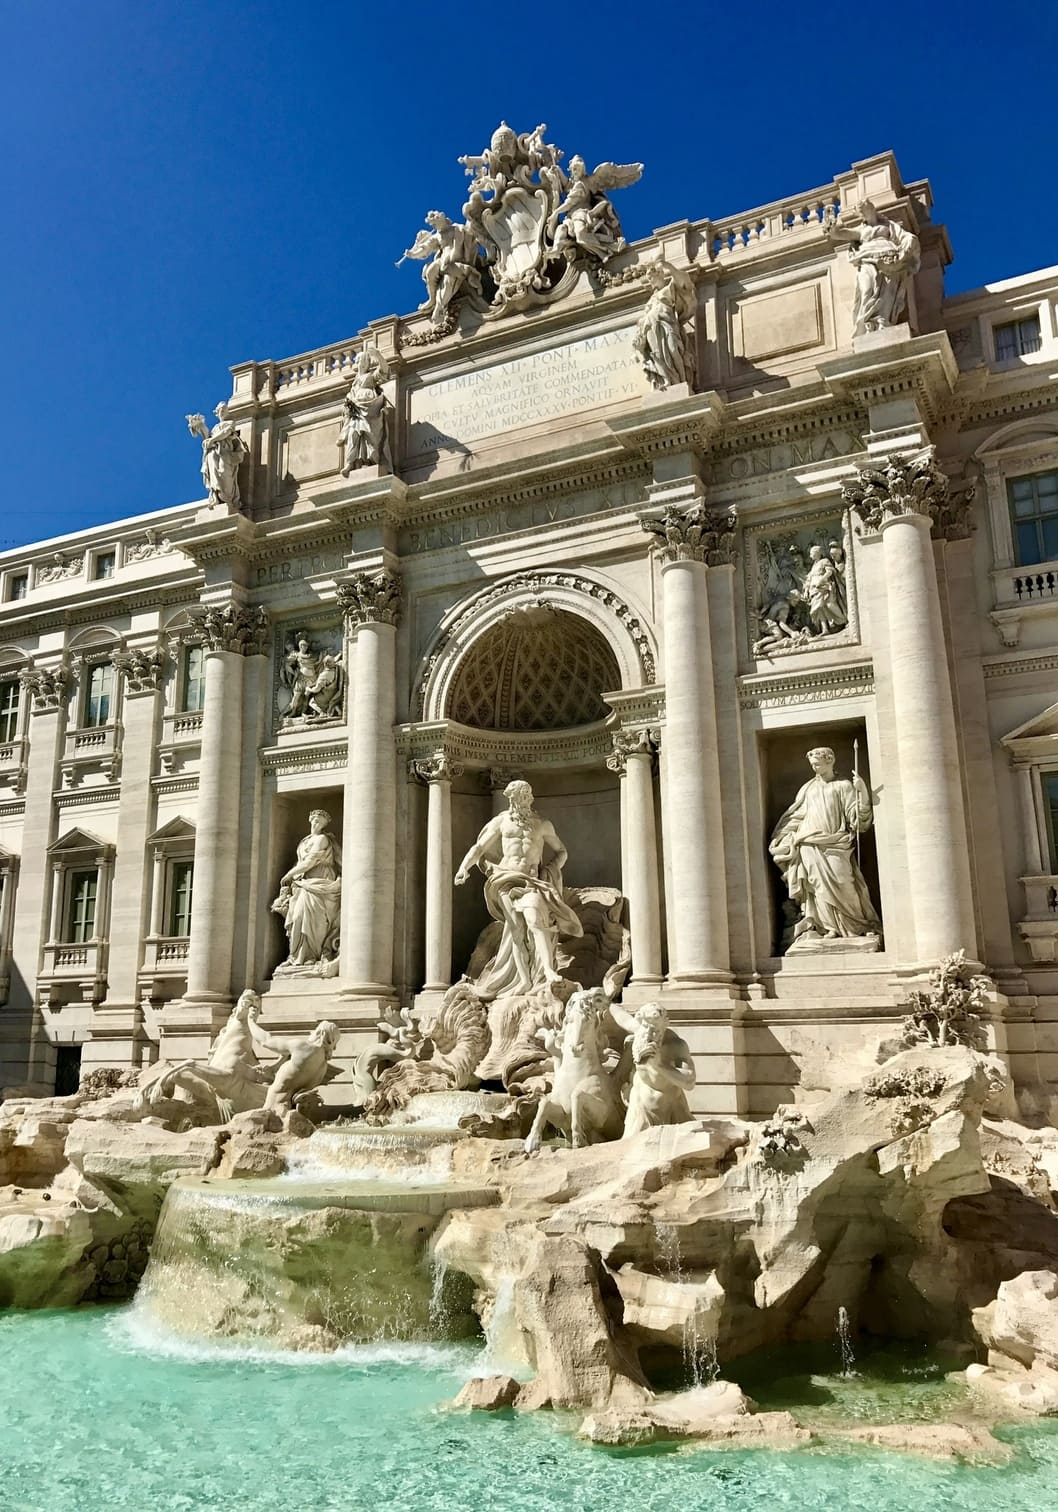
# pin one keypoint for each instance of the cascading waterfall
(844, 1332)
(700, 1359)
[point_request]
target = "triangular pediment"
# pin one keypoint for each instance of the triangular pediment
(176, 829)
(78, 840)
(1040, 727)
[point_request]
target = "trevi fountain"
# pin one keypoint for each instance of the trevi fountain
(539, 986)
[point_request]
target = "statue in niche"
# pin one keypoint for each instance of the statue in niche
(664, 335)
(452, 268)
(365, 433)
(309, 903)
(803, 594)
(223, 450)
(886, 258)
(814, 847)
(660, 1066)
(313, 681)
(522, 858)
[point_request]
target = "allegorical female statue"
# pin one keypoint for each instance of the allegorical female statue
(223, 450)
(309, 903)
(813, 847)
(664, 338)
(886, 258)
(366, 420)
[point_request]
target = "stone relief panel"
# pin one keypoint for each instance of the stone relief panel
(800, 592)
(310, 679)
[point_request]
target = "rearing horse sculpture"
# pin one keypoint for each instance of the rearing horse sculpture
(583, 1103)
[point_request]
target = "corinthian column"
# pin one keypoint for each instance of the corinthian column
(904, 498)
(633, 758)
(437, 772)
(689, 539)
(371, 605)
(231, 633)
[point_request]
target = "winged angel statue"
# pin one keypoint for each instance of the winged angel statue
(528, 227)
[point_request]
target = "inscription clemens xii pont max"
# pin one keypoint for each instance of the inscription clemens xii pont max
(582, 375)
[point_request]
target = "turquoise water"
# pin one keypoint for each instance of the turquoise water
(97, 1414)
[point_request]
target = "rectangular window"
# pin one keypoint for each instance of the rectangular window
(104, 565)
(1034, 517)
(1049, 782)
(1017, 339)
(67, 1069)
(194, 678)
(180, 880)
(99, 695)
(84, 887)
(17, 586)
(10, 693)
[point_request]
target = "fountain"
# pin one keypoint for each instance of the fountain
(844, 1333)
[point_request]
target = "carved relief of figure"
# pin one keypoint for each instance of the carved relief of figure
(591, 224)
(664, 337)
(315, 680)
(365, 432)
(800, 601)
(452, 267)
(223, 450)
(661, 1068)
(886, 258)
(309, 902)
(823, 591)
(814, 847)
(522, 858)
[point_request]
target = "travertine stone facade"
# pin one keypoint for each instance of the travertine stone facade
(644, 542)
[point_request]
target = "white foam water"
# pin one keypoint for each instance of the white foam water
(136, 1331)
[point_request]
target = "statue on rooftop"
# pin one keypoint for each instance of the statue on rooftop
(664, 335)
(451, 267)
(365, 432)
(223, 451)
(886, 257)
(528, 228)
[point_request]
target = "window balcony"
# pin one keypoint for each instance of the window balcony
(181, 740)
(14, 756)
(91, 750)
(73, 972)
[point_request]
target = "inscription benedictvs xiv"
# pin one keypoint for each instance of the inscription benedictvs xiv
(580, 376)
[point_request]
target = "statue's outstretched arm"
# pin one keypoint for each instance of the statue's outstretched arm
(477, 851)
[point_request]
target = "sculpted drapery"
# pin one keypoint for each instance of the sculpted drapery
(813, 846)
(309, 901)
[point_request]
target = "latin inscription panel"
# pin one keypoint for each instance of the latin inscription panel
(580, 376)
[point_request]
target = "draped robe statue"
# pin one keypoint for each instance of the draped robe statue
(309, 902)
(813, 847)
(522, 858)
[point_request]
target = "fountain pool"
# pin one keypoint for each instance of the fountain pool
(101, 1411)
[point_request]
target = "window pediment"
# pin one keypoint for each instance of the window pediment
(79, 842)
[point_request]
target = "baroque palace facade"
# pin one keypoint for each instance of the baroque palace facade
(642, 524)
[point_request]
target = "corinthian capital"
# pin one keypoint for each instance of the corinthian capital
(694, 533)
(46, 686)
(910, 484)
(229, 627)
(370, 597)
(628, 743)
(141, 668)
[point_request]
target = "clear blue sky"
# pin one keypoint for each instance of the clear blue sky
(192, 185)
